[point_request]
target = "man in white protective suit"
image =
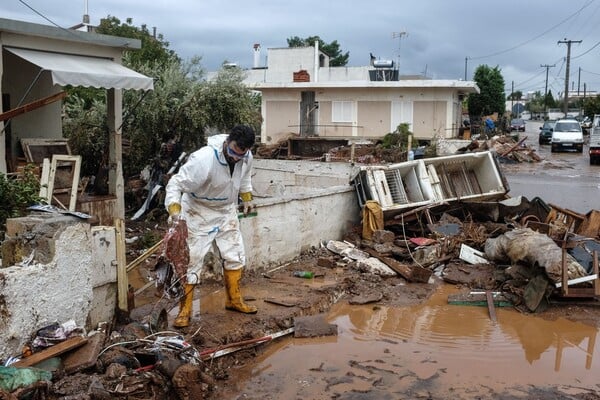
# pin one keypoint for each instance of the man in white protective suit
(205, 193)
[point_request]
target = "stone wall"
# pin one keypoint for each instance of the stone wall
(54, 270)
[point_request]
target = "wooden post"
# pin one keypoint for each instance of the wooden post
(122, 283)
(565, 276)
(595, 271)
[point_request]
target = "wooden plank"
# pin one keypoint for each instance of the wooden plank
(122, 282)
(34, 105)
(144, 256)
(490, 303)
(596, 272)
(86, 356)
(513, 147)
(44, 180)
(52, 351)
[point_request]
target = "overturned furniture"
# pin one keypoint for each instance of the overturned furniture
(401, 187)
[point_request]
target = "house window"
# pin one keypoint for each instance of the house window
(342, 111)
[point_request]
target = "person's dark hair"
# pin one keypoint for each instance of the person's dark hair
(243, 135)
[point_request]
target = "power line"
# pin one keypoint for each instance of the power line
(587, 51)
(71, 32)
(536, 37)
(40, 14)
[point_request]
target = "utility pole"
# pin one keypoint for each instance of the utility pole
(466, 58)
(546, 88)
(512, 99)
(568, 43)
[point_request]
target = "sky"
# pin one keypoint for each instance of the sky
(441, 39)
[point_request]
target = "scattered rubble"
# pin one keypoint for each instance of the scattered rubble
(522, 268)
(503, 251)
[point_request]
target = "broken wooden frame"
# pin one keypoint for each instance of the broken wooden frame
(72, 165)
(594, 277)
(35, 150)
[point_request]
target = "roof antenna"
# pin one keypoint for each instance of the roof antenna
(85, 24)
(86, 16)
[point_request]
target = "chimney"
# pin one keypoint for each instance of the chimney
(256, 55)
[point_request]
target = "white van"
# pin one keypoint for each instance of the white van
(567, 134)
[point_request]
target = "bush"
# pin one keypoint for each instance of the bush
(398, 138)
(16, 194)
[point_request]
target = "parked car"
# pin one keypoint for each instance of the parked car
(585, 122)
(546, 132)
(518, 125)
(567, 134)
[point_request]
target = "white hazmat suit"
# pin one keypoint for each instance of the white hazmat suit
(205, 193)
(208, 194)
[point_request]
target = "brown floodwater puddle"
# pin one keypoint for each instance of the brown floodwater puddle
(432, 350)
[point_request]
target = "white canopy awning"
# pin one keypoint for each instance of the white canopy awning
(68, 69)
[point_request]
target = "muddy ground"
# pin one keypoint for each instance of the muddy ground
(129, 366)
(281, 298)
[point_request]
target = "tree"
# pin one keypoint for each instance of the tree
(225, 101)
(591, 105)
(550, 101)
(536, 104)
(85, 122)
(182, 104)
(336, 58)
(491, 97)
(154, 47)
(518, 95)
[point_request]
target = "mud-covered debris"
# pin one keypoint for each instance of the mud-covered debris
(366, 299)
(313, 326)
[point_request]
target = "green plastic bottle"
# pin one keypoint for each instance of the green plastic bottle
(303, 274)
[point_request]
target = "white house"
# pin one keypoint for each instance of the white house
(36, 62)
(303, 95)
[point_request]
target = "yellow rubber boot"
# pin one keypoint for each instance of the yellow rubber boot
(185, 307)
(234, 296)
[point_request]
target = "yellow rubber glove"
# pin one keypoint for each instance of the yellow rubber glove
(247, 205)
(174, 210)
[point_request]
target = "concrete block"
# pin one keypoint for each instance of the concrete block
(16, 227)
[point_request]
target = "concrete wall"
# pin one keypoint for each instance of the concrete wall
(78, 283)
(299, 204)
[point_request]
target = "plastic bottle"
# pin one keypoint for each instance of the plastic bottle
(303, 274)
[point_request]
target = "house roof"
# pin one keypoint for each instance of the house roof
(52, 32)
(463, 86)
